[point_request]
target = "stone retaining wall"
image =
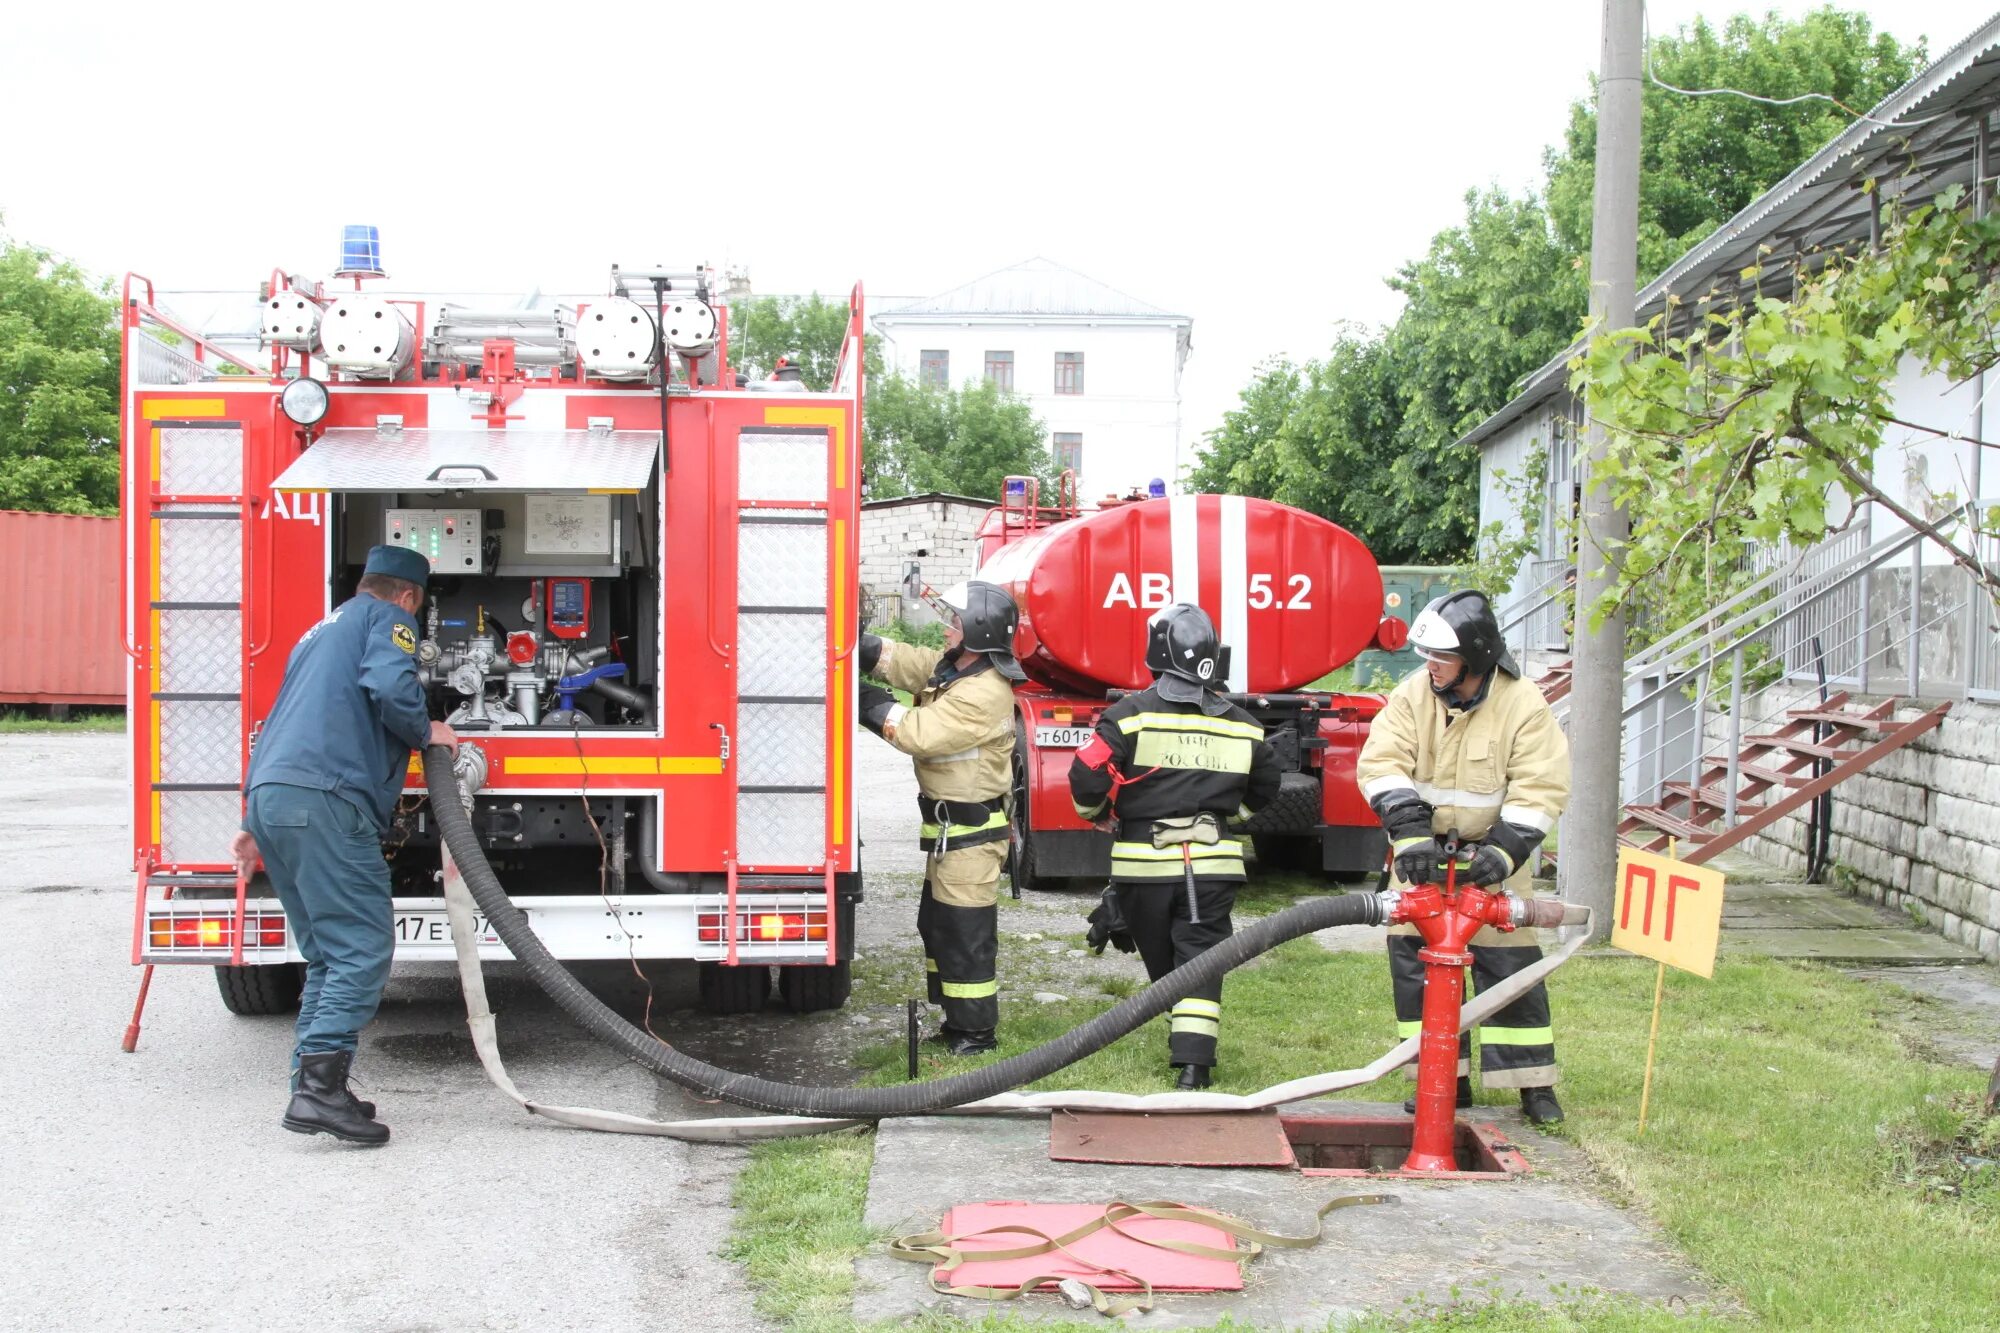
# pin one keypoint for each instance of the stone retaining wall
(938, 535)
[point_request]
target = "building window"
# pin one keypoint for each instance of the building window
(934, 367)
(1069, 451)
(1069, 372)
(1000, 371)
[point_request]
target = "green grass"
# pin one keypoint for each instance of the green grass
(1801, 1148)
(16, 721)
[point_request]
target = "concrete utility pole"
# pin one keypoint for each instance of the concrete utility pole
(1589, 855)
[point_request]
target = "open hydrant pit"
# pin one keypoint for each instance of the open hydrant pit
(1375, 1147)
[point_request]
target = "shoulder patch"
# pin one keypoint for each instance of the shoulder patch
(404, 637)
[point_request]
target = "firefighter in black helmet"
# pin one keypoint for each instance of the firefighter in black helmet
(1176, 765)
(1466, 744)
(959, 728)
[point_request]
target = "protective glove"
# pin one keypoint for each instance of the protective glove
(870, 653)
(1489, 865)
(1107, 926)
(1403, 814)
(1419, 860)
(876, 705)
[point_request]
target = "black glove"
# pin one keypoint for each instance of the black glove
(1420, 860)
(871, 653)
(1404, 815)
(876, 704)
(1489, 865)
(1107, 926)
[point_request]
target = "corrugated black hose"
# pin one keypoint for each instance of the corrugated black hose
(760, 1094)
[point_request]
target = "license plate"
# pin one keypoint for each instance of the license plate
(435, 928)
(1063, 738)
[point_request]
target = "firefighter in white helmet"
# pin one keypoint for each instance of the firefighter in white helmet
(959, 728)
(1467, 745)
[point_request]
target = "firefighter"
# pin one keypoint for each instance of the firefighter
(959, 728)
(1466, 744)
(323, 782)
(1176, 765)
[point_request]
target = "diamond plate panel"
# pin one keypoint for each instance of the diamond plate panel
(782, 654)
(780, 829)
(201, 462)
(196, 826)
(201, 740)
(781, 745)
(201, 652)
(201, 559)
(781, 564)
(429, 461)
(782, 465)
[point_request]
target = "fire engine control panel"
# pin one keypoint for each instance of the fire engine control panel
(569, 608)
(448, 538)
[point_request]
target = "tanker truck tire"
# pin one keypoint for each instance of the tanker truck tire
(1021, 847)
(732, 990)
(816, 987)
(1284, 851)
(260, 989)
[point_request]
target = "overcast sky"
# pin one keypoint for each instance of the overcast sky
(1260, 168)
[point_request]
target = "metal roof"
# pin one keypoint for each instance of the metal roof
(1817, 205)
(1032, 287)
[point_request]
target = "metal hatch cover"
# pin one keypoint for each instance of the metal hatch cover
(1207, 1138)
(388, 461)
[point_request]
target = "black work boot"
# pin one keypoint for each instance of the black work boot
(366, 1108)
(1464, 1096)
(323, 1105)
(1540, 1105)
(1191, 1078)
(970, 1043)
(944, 1036)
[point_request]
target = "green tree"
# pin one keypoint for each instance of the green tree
(923, 437)
(1702, 159)
(809, 330)
(1367, 436)
(58, 386)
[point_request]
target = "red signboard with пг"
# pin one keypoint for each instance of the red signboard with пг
(1668, 910)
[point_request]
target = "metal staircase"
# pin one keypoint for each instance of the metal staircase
(1734, 721)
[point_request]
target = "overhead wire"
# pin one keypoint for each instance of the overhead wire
(1646, 26)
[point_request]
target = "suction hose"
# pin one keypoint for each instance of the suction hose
(760, 1094)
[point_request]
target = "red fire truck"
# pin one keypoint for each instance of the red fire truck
(640, 620)
(1294, 598)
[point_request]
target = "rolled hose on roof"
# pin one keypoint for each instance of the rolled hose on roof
(511, 925)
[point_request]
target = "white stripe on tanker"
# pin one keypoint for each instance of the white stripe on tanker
(1235, 627)
(1185, 538)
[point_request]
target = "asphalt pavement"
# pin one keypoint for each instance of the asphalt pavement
(157, 1190)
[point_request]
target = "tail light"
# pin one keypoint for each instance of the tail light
(764, 927)
(209, 932)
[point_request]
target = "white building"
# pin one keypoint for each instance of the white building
(1101, 370)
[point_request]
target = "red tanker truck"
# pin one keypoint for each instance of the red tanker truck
(1294, 596)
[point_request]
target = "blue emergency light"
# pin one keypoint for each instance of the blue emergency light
(1156, 488)
(360, 252)
(1017, 486)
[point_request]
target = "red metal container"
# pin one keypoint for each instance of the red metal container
(59, 589)
(1293, 595)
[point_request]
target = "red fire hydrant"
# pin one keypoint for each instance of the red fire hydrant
(1448, 918)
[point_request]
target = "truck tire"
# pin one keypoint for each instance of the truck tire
(1021, 846)
(1285, 851)
(257, 989)
(733, 990)
(810, 989)
(1295, 809)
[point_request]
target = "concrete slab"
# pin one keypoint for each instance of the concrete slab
(1965, 1022)
(1544, 1237)
(1802, 911)
(1864, 947)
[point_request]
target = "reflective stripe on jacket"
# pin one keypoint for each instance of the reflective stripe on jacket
(1177, 762)
(1505, 758)
(960, 733)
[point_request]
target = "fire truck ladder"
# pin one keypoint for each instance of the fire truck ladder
(788, 595)
(189, 651)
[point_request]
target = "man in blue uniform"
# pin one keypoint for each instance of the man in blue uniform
(323, 784)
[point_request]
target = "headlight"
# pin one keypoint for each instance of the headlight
(304, 401)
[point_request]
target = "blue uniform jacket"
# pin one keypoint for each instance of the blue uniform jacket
(351, 709)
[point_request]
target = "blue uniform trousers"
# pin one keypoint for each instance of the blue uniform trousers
(324, 857)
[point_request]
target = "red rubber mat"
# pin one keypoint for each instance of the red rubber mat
(1209, 1138)
(1096, 1254)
